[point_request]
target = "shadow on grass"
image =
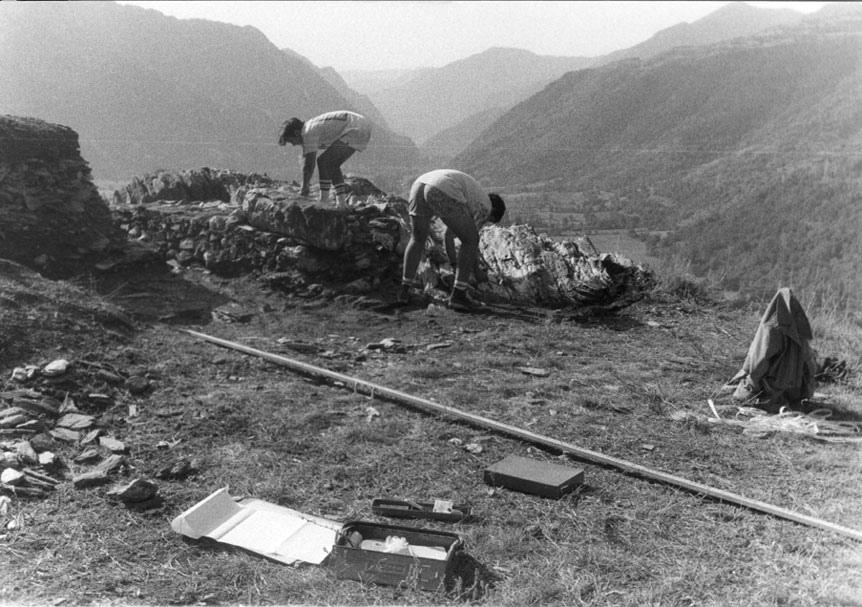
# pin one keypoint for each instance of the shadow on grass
(155, 294)
(469, 579)
(838, 412)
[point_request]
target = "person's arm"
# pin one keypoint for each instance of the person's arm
(307, 172)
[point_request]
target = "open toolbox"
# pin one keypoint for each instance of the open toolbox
(438, 510)
(393, 554)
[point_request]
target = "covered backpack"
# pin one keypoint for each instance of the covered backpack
(780, 366)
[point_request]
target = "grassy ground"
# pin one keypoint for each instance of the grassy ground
(634, 386)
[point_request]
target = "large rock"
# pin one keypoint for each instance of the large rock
(530, 267)
(52, 218)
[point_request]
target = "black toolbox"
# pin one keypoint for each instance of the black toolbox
(427, 561)
(533, 476)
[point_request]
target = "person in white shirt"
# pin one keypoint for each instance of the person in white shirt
(335, 136)
(464, 207)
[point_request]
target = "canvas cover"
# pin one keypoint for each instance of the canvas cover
(780, 366)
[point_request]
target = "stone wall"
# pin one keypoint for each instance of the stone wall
(188, 185)
(52, 218)
(270, 231)
(293, 243)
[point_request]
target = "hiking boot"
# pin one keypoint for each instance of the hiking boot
(461, 302)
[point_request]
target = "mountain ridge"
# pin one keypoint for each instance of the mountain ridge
(403, 100)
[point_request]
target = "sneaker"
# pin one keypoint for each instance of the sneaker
(461, 302)
(403, 295)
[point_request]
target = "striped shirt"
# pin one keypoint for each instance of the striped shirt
(322, 131)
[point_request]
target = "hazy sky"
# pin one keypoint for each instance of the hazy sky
(373, 35)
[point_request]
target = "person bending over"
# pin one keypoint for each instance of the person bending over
(464, 207)
(330, 139)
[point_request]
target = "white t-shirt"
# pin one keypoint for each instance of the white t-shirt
(463, 188)
(322, 131)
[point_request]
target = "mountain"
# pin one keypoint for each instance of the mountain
(734, 20)
(145, 91)
(500, 78)
(433, 100)
(442, 147)
(372, 82)
(745, 150)
(357, 100)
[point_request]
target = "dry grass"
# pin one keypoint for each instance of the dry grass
(633, 386)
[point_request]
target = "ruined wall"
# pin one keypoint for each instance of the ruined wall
(270, 232)
(293, 242)
(51, 215)
(189, 185)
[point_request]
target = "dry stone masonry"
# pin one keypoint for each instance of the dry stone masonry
(263, 227)
(51, 215)
(248, 224)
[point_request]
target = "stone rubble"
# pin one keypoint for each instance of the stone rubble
(34, 422)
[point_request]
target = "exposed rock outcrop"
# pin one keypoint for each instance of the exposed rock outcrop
(531, 267)
(51, 215)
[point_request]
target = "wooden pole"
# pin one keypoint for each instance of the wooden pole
(570, 449)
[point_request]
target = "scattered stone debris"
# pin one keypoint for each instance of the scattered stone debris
(232, 313)
(112, 444)
(91, 478)
(137, 385)
(179, 470)
(43, 413)
(138, 493)
(534, 371)
(56, 368)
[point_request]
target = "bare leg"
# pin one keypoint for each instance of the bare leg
(324, 177)
(420, 227)
(464, 229)
(330, 163)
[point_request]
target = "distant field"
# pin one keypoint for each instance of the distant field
(614, 241)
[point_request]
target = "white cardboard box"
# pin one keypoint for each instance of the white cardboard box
(273, 531)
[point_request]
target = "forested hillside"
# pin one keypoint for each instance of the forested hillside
(146, 91)
(746, 150)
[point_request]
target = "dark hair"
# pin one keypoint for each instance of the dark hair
(498, 208)
(290, 128)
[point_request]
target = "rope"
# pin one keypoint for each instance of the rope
(756, 422)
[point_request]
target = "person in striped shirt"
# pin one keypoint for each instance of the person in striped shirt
(329, 139)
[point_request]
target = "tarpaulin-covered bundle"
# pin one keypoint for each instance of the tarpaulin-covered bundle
(780, 366)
